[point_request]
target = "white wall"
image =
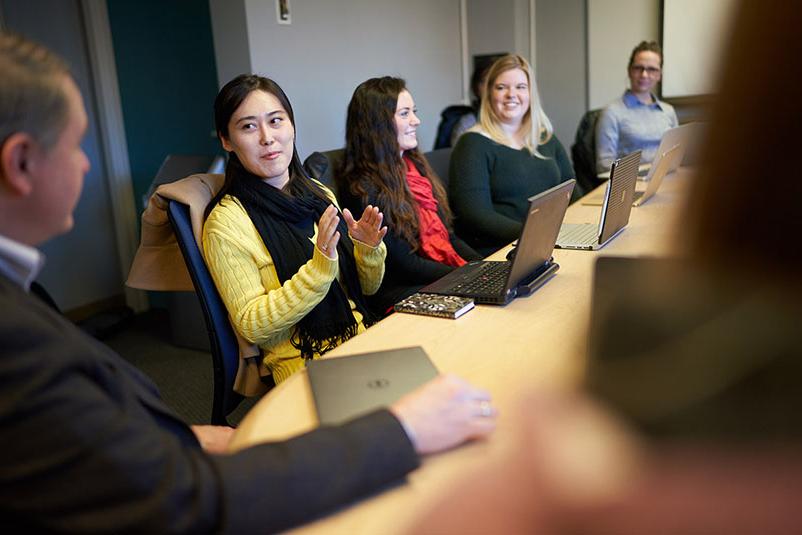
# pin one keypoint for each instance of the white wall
(692, 45)
(561, 54)
(491, 27)
(331, 47)
(614, 28)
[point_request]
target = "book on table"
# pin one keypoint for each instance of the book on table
(441, 306)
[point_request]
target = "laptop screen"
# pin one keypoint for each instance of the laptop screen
(615, 212)
(542, 225)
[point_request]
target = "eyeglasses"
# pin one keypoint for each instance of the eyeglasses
(651, 71)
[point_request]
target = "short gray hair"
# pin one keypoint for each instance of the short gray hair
(32, 97)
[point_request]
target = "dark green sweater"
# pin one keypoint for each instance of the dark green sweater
(489, 185)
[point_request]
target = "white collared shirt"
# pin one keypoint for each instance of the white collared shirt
(19, 262)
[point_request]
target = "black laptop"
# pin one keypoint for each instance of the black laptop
(498, 283)
(347, 387)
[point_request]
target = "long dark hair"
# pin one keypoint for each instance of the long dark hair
(228, 100)
(372, 166)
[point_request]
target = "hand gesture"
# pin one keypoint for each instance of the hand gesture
(368, 229)
(327, 234)
(445, 412)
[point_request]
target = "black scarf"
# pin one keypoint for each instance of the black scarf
(285, 223)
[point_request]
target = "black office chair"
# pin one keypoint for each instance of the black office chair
(223, 341)
(448, 120)
(321, 166)
(439, 160)
(583, 153)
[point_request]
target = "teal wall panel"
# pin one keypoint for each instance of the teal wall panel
(168, 81)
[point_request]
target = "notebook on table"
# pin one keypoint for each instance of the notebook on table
(440, 306)
(660, 168)
(347, 387)
(499, 282)
(614, 213)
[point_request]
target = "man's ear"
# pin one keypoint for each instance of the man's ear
(15, 160)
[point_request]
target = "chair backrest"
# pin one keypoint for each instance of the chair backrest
(449, 118)
(439, 160)
(223, 342)
(321, 166)
(583, 153)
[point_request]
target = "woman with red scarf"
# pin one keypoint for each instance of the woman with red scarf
(382, 166)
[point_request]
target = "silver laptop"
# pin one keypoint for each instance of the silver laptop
(660, 168)
(347, 387)
(678, 136)
(614, 213)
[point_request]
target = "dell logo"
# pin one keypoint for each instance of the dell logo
(376, 384)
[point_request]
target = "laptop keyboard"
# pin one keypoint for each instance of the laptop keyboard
(578, 234)
(491, 278)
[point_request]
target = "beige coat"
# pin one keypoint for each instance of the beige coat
(159, 264)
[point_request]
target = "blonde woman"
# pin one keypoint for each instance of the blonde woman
(510, 155)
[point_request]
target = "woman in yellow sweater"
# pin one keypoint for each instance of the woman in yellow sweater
(291, 271)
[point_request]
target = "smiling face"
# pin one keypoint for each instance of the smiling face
(644, 73)
(262, 136)
(406, 122)
(510, 97)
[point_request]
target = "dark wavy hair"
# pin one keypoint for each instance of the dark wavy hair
(372, 167)
(228, 100)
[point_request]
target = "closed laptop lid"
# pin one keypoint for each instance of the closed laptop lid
(540, 230)
(347, 387)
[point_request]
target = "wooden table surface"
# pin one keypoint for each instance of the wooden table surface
(534, 342)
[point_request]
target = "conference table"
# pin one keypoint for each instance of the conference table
(536, 342)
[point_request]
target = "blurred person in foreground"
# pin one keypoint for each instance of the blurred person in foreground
(87, 443)
(693, 426)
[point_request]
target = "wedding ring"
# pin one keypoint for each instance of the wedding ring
(324, 247)
(485, 409)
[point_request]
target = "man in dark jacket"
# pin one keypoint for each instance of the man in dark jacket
(87, 443)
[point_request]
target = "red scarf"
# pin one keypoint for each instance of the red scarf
(434, 241)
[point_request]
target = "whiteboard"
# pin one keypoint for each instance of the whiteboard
(693, 34)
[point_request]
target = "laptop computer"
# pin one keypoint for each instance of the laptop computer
(660, 168)
(346, 387)
(678, 136)
(497, 283)
(614, 213)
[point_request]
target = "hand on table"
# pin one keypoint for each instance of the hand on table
(445, 412)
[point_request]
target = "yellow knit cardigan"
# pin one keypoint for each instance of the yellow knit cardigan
(262, 310)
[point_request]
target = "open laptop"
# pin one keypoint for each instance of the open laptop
(660, 168)
(498, 283)
(680, 136)
(614, 213)
(347, 387)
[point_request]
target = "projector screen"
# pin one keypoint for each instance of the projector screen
(693, 31)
